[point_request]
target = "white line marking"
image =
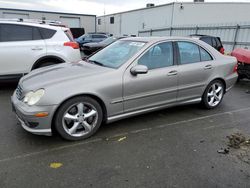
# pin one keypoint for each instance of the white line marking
(121, 134)
(49, 150)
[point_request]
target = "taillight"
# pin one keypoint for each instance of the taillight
(235, 68)
(222, 50)
(74, 45)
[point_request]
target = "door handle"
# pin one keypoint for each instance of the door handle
(37, 48)
(172, 73)
(208, 67)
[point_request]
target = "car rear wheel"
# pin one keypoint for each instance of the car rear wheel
(78, 118)
(213, 94)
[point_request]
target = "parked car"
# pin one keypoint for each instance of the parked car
(92, 47)
(243, 57)
(129, 77)
(90, 37)
(26, 46)
(212, 41)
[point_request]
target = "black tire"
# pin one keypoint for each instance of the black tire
(205, 96)
(60, 122)
(240, 77)
(45, 64)
(86, 52)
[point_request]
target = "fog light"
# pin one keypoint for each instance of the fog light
(42, 114)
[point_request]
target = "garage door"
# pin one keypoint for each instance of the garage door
(71, 22)
(15, 15)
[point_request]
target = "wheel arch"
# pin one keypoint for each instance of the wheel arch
(44, 59)
(220, 79)
(93, 96)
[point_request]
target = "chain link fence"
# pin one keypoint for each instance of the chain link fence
(232, 36)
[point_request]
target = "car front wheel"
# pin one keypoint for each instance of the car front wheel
(213, 94)
(78, 118)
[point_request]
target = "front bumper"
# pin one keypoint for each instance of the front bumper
(26, 116)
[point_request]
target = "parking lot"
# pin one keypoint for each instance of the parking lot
(175, 147)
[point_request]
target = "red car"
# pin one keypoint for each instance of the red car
(243, 57)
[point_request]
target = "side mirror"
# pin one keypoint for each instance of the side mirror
(139, 69)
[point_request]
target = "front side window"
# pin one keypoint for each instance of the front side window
(160, 55)
(116, 54)
(189, 52)
(11, 32)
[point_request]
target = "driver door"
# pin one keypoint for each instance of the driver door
(158, 86)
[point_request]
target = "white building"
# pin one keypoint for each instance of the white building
(229, 21)
(173, 14)
(72, 20)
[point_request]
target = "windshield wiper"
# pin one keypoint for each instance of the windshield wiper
(95, 62)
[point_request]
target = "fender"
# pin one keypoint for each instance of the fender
(60, 60)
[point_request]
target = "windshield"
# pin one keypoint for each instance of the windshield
(117, 53)
(81, 37)
(108, 40)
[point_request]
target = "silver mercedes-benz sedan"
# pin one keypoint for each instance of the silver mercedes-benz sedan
(129, 77)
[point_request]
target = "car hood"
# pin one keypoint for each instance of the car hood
(61, 73)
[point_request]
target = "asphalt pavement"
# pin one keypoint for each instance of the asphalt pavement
(175, 147)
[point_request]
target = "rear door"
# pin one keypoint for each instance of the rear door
(158, 86)
(194, 70)
(20, 47)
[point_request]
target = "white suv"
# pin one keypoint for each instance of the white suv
(25, 46)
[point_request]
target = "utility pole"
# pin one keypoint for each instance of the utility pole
(104, 13)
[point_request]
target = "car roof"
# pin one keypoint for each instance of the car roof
(156, 39)
(34, 25)
(199, 36)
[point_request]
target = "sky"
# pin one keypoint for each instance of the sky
(95, 7)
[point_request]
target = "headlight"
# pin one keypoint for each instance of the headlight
(32, 98)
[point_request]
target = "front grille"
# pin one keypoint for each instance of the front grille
(19, 92)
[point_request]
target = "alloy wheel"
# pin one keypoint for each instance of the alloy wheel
(80, 119)
(215, 94)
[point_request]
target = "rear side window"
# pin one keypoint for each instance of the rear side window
(189, 52)
(98, 36)
(69, 35)
(47, 33)
(207, 40)
(219, 41)
(12, 32)
(214, 43)
(205, 56)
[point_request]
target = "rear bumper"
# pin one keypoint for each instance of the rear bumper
(231, 80)
(72, 55)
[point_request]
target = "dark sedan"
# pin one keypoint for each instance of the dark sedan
(92, 47)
